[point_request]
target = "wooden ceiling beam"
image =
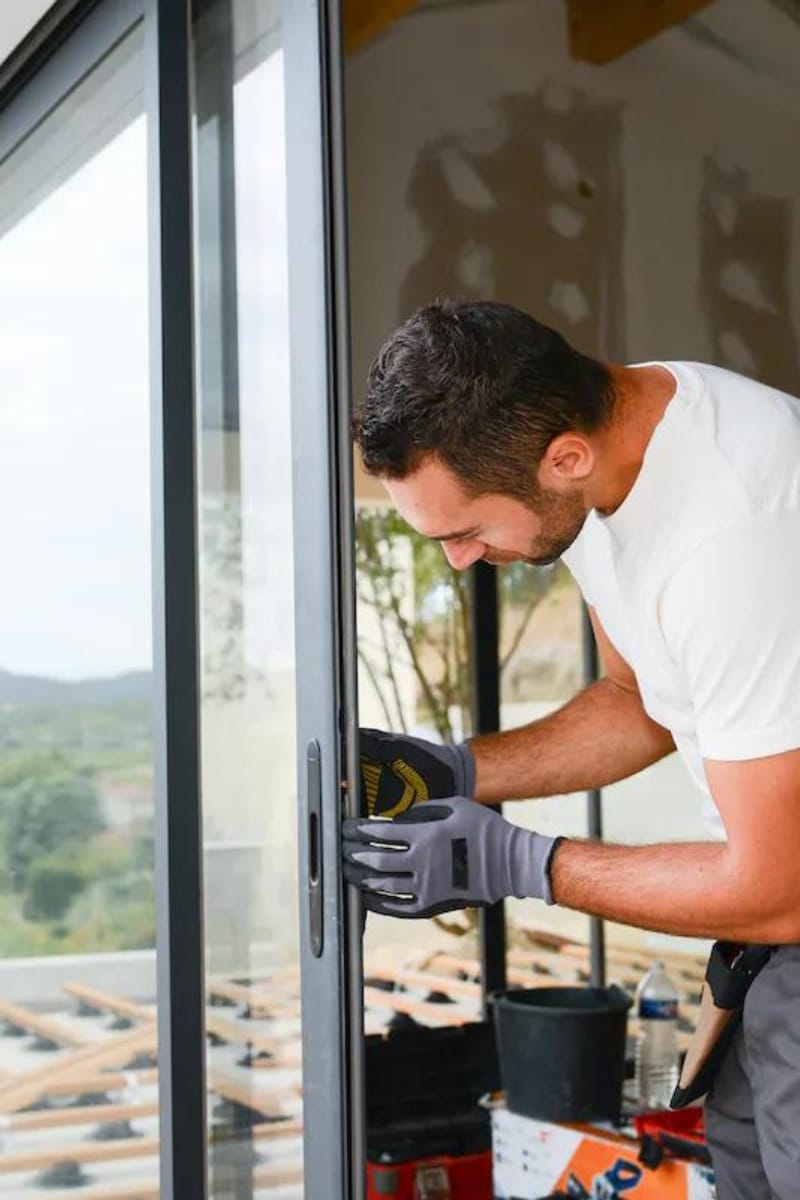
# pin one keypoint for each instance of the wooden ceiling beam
(364, 19)
(602, 30)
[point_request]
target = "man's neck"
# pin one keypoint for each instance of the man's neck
(641, 396)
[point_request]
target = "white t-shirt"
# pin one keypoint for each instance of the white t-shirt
(696, 576)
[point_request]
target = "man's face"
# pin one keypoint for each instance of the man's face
(493, 528)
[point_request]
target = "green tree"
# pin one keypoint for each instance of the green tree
(48, 815)
(52, 886)
(427, 609)
(433, 629)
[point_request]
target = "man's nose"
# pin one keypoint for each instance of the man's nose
(461, 555)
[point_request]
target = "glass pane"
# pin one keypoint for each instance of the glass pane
(78, 1081)
(541, 668)
(247, 606)
(413, 618)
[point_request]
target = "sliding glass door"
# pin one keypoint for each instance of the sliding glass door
(268, 607)
(175, 705)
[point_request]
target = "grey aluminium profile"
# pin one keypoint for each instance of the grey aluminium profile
(594, 811)
(485, 641)
(331, 1171)
(56, 25)
(178, 820)
(343, 503)
(33, 84)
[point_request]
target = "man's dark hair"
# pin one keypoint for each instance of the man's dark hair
(484, 388)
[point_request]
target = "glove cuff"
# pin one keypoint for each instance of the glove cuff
(529, 863)
(464, 770)
(547, 886)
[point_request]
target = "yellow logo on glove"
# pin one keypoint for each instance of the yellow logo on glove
(415, 790)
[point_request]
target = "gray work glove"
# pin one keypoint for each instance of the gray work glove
(446, 854)
(398, 771)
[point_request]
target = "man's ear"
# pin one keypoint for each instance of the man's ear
(568, 459)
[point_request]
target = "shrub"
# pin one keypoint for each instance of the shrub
(48, 815)
(52, 886)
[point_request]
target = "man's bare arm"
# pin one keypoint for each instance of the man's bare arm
(602, 735)
(747, 889)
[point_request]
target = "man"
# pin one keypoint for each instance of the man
(672, 492)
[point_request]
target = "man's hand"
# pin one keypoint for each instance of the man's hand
(398, 771)
(452, 853)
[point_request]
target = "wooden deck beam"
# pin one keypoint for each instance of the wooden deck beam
(365, 19)
(25, 1088)
(42, 1025)
(599, 33)
(109, 1002)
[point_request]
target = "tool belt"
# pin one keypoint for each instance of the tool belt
(730, 971)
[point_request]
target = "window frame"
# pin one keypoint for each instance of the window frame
(60, 52)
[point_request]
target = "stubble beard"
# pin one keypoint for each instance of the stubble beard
(561, 516)
(562, 520)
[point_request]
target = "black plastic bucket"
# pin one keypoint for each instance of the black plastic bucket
(562, 1051)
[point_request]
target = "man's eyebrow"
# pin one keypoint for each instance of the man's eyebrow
(451, 537)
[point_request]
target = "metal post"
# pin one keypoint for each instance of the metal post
(334, 1109)
(178, 820)
(594, 813)
(485, 639)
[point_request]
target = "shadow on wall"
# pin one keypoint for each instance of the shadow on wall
(744, 263)
(528, 212)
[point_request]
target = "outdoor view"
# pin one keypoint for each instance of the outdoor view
(416, 676)
(76, 809)
(78, 1077)
(75, 691)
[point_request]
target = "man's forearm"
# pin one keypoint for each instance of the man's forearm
(690, 889)
(600, 736)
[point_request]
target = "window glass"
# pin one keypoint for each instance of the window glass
(246, 571)
(78, 1080)
(413, 620)
(540, 670)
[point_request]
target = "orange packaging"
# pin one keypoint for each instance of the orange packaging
(532, 1159)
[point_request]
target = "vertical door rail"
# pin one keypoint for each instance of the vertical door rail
(485, 633)
(333, 1101)
(178, 828)
(343, 501)
(594, 813)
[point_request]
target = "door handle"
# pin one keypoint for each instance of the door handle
(314, 866)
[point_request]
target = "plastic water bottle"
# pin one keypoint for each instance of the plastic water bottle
(657, 1050)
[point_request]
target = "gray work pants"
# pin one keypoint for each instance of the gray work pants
(753, 1112)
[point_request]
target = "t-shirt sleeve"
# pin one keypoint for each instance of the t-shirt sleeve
(731, 617)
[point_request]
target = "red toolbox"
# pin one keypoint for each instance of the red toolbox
(428, 1138)
(445, 1177)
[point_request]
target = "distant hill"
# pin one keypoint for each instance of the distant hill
(33, 691)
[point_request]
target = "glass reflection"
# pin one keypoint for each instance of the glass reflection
(247, 606)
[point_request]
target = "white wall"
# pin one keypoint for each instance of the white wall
(17, 20)
(468, 125)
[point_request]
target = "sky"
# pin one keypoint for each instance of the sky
(75, 597)
(74, 424)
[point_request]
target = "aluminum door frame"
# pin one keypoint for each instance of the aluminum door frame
(334, 1112)
(326, 696)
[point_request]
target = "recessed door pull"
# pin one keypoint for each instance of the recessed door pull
(314, 881)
